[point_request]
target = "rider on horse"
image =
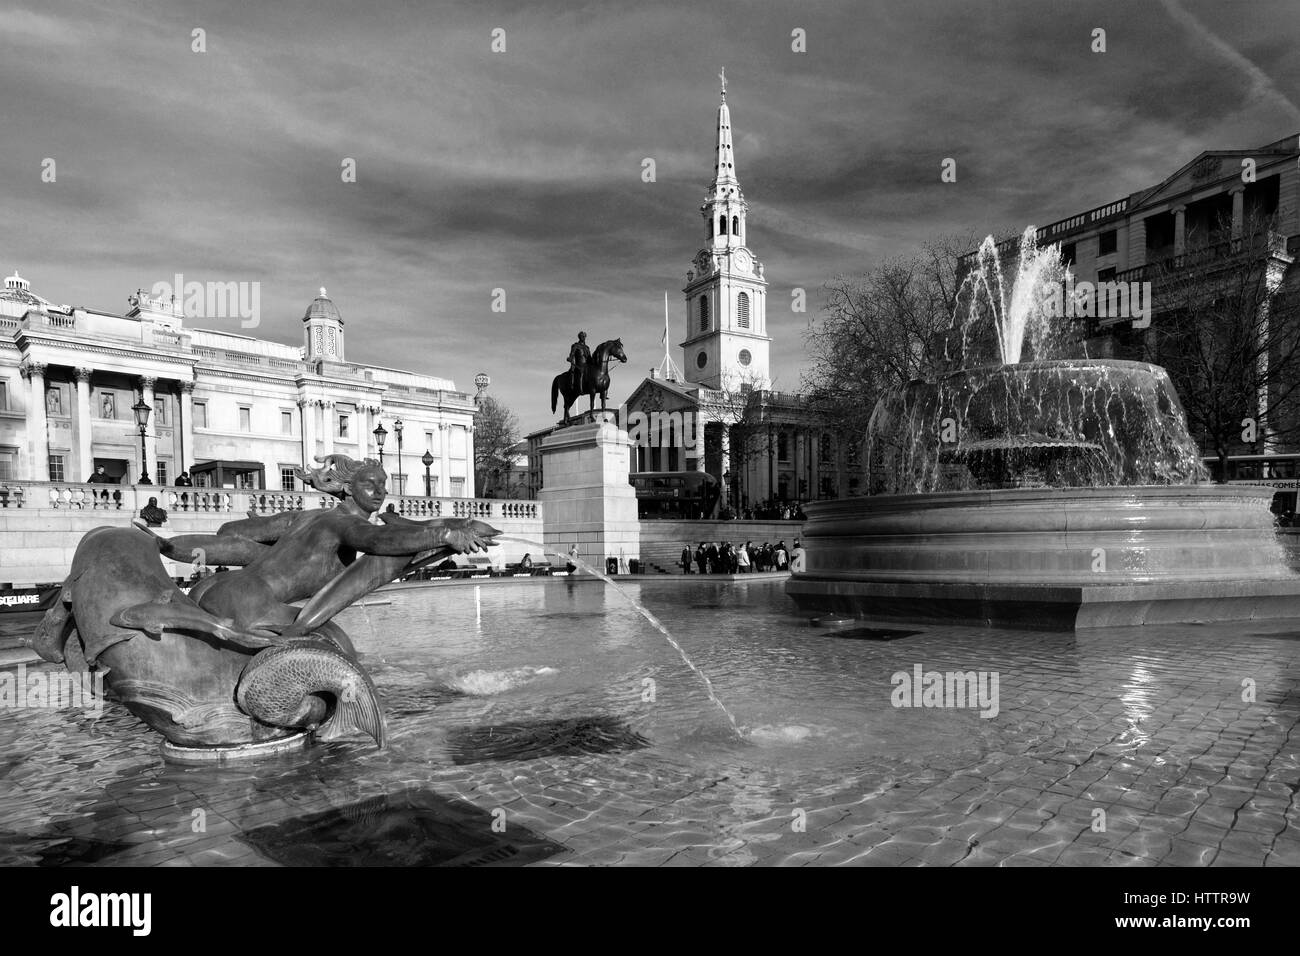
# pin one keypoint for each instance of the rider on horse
(579, 359)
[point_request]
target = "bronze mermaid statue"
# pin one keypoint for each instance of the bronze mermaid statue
(237, 660)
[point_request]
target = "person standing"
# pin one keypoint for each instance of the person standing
(183, 480)
(685, 562)
(100, 477)
(711, 553)
(701, 559)
(742, 560)
(782, 557)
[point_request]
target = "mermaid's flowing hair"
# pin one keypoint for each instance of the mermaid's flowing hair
(335, 474)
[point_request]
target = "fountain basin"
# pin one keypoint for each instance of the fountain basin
(1050, 557)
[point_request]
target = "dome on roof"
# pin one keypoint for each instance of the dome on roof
(322, 307)
(18, 289)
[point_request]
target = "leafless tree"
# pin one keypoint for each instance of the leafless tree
(1227, 330)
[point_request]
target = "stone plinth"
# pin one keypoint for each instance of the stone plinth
(588, 499)
(1050, 558)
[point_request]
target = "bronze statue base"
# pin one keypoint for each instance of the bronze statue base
(219, 756)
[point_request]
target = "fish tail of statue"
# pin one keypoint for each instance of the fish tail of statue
(284, 687)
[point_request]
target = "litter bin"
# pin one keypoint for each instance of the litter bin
(633, 566)
(611, 566)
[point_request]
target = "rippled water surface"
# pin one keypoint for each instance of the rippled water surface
(548, 723)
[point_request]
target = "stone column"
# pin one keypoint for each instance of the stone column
(726, 467)
(85, 453)
(1238, 194)
(37, 439)
(364, 429)
(444, 442)
(800, 461)
(188, 456)
(815, 468)
(150, 436)
(327, 425)
(1180, 230)
(308, 408)
(471, 488)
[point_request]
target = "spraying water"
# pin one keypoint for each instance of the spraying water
(644, 612)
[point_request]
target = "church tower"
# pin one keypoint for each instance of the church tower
(323, 330)
(726, 342)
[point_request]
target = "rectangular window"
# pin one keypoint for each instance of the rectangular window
(4, 396)
(287, 478)
(56, 468)
(162, 473)
(245, 418)
(825, 447)
(200, 415)
(782, 447)
(286, 423)
(1108, 242)
(1067, 253)
(8, 462)
(458, 487)
(1105, 275)
(428, 442)
(344, 421)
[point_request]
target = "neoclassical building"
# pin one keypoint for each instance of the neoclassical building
(234, 411)
(761, 445)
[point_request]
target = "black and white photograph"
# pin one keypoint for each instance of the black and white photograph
(637, 435)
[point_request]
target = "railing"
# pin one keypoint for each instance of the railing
(82, 496)
(1049, 232)
(1219, 252)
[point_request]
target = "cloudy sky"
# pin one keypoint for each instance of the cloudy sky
(521, 169)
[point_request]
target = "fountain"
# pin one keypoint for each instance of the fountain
(1025, 486)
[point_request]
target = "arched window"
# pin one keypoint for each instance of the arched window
(735, 225)
(742, 310)
(704, 313)
(722, 225)
(710, 227)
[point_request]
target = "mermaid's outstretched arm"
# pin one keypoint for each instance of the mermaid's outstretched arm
(230, 550)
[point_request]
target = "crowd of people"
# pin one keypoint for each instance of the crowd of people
(765, 511)
(714, 557)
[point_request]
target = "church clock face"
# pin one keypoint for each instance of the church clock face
(704, 263)
(744, 262)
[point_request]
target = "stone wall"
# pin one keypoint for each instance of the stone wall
(37, 543)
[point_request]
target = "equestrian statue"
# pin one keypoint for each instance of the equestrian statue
(588, 373)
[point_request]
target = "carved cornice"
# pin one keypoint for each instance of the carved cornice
(83, 374)
(30, 368)
(147, 382)
(185, 387)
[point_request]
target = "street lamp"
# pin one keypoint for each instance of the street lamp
(380, 434)
(397, 429)
(428, 485)
(142, 411)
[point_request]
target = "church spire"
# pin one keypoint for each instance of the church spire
(724, 207)
(724, 185)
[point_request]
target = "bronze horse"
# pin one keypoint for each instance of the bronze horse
(595, 378)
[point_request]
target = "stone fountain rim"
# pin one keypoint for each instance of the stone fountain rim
(1201, 493)
(1081, 364)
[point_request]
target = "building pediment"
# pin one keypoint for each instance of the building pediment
(1210, 167)
(656, 395)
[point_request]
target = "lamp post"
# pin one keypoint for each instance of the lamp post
(397, 430)
(380, 434)
(428, 485)
(142, 411)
